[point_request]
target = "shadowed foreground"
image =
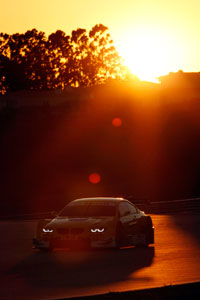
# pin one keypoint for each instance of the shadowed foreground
(29, 274)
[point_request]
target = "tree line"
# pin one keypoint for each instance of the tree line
(35, 62)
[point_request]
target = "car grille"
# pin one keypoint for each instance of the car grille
(63, 230)
(73, 231)
(77, 230)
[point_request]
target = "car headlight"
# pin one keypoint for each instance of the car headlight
(47, 230)
(96, 230)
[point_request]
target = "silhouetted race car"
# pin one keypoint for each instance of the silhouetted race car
(96, 222)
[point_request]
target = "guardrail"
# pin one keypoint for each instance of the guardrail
(192, 204)
(172, 206)
(32, 216)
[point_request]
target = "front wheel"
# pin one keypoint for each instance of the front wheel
(146, 232)
(118, 236)
(142, 241)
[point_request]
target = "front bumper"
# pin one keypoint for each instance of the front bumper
(78, 243)
(40, 244)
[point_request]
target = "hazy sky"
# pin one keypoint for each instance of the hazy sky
(162, 35)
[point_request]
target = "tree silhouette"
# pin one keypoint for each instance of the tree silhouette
(59, 52)
(79, 43)
(33, 61)
(24, 62)
(37, 66)
(105, 57)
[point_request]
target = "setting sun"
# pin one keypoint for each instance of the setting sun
(148, 53)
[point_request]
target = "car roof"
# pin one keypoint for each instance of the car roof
(109, 199)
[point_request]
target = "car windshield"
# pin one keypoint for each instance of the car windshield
(96, 210)
(101, 210)
(74, 210)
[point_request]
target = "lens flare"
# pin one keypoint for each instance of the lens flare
(116, 122)
(94, 178)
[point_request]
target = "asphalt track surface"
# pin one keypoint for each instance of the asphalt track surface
(28, 274)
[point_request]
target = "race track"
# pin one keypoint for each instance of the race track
(28, 274)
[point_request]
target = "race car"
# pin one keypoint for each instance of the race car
(96, 223)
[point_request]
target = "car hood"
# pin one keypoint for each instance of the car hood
(64, 222)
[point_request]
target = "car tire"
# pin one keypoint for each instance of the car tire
(44, 249)
(146, 231)
(143, 243)
(119, 236)
(47, 249)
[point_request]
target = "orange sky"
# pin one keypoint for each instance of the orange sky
(153, 36)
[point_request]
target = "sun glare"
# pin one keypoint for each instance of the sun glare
(148, 53)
